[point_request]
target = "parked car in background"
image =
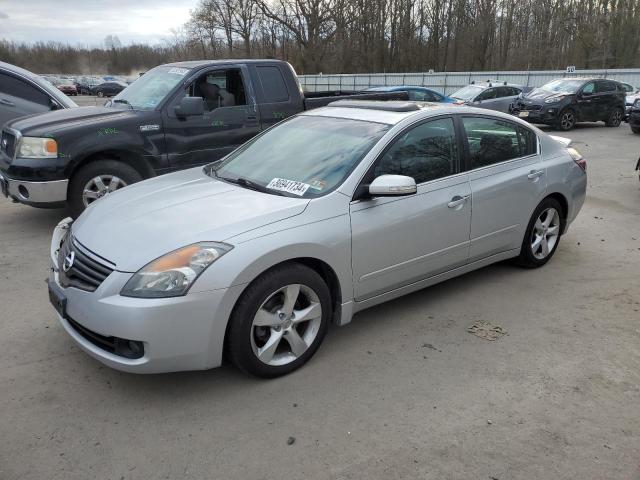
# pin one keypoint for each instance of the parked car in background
(417, 93)
(493, 95)
(108, 89)
(84, 84)
(325, 214)
(67, 87)
(629, 101)
(25, 93)
(564, 102)
(634, 117)
(173, 117)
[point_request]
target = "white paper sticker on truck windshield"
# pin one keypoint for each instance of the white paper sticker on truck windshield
(179, 71)
(289, 186)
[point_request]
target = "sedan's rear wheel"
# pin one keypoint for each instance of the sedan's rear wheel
(279, 322)
(542, 236)
(100, 93)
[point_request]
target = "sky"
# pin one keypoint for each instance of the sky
(88, 22)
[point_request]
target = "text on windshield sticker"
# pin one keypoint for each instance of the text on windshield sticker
(179, 71)
(289, 186)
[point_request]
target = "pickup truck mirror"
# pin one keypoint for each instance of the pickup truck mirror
(190, 107)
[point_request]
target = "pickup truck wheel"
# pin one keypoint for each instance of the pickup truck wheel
(98, 179)
(279, 321)
(615, 119)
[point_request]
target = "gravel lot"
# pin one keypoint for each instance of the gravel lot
(402, 392)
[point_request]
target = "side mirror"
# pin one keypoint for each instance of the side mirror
(189, 107)
(392, 186)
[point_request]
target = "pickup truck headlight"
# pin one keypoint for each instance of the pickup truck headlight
(173, 274)
(34, 147)
(554, 99)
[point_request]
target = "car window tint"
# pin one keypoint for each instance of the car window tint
(606, 87)
(494, 141)
(426, 152)
(275, 90)
(13, 86)
(421, 96)
(488, 94)
(588, 88)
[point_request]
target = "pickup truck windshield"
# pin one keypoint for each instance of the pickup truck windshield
(149, 90)
(306, 156)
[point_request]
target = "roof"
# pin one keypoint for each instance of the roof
(354, 110)
(205, 63)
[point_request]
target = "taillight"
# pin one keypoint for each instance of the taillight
(578, 158)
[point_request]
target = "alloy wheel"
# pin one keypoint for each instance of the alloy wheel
(100, 186)
(616, 118)
(567, 120)
(545, 233)
(286, 324)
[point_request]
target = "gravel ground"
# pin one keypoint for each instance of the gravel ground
(404, 391)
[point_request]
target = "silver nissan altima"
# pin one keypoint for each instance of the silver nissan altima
(328, 213)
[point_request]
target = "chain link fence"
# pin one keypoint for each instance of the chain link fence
(448, 82)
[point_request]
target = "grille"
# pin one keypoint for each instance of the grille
(8, 143)
(531, 107)
(117, 346)
(85, 273)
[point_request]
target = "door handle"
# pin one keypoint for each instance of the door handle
(457, 201)
(6, 102)
(534, 174)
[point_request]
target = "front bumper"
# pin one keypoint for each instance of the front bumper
(548, 114)
(180, 333)
(40, 194)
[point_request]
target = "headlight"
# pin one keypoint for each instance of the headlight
(173, 274)
(34, 147)
(554, 99)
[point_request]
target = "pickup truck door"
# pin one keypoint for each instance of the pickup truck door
(201, 139)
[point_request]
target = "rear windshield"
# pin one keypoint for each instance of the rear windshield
(467, 93)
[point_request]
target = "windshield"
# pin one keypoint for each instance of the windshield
(467, 93)
(149, 90)
(306, 156)
(564, 86)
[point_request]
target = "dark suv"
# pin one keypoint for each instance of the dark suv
(564, 102)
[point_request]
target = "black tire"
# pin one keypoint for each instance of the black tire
(106, 167)
(100, 93)
(527, 257)
(615, 118)
(635, 129)
(240, 331)
(566, 120)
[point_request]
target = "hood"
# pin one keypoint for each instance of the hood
(144, 221)
(540, 94)
(43, 124)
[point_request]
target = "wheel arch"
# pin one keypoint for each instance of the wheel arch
(564, 204)
(136, 160)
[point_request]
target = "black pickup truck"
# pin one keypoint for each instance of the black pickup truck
(175, 116)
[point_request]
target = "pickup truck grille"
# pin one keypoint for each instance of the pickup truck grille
(8, 144)
(84, 272)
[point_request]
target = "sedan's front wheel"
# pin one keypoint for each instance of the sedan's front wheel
(543, 234)
(279, 322)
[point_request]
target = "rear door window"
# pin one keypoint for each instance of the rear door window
(273, 85)
(604, 86)
(488, 94)
(493, 141)
(16, 87)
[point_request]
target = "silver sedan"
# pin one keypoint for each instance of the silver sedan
(328, 213)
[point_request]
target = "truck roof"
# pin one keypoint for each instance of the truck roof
(204, 63)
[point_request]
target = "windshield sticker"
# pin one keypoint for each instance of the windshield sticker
(317, 184)
(179, 71)
(289, 186)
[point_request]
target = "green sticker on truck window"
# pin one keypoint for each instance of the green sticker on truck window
(107, 131)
